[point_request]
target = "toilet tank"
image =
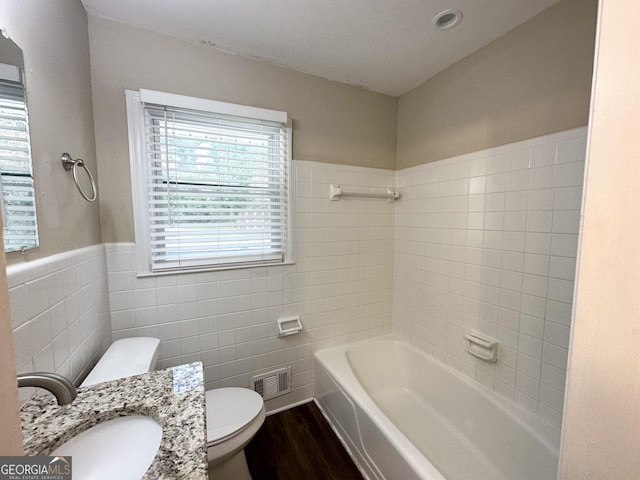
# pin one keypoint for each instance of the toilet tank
(124, 358)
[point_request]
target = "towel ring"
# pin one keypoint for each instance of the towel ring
(70, 164)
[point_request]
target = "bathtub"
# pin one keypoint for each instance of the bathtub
(404, 415)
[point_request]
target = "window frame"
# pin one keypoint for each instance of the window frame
(135, 101)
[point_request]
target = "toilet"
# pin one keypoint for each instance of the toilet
(233, 415)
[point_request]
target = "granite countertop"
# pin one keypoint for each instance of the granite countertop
(174, 397)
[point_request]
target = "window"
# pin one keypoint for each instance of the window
(210, 183)
(16, 183)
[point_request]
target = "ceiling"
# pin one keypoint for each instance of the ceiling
(387, 46)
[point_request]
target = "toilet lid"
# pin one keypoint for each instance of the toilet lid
(230, 409)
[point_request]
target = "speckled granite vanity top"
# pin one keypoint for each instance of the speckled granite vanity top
(174, 397)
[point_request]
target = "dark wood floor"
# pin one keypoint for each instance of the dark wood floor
(298, 444)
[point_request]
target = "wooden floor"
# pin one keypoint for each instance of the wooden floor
(298, 444)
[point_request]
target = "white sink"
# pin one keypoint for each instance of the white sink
(121, 448)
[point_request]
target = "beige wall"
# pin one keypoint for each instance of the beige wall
(10, 53)
(602, 419)
(11, 437)
(55, 43)
(533, 81)
(54, 40)
(332, 122)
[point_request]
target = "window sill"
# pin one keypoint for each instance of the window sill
(212, 269)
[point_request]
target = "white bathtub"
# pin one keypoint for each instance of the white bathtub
(405, 415)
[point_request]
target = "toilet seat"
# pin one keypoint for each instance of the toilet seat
(230, 410)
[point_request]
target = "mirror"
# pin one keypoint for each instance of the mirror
(16, 185)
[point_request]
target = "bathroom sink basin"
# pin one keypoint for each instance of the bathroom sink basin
(121, 448)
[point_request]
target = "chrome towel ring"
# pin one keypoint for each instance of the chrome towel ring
(70, 164)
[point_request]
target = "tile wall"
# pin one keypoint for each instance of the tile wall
(60, 312)
(484, 242)
(340, 285)
(487, 242)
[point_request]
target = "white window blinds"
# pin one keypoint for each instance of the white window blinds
(16, 186)
(216, 188)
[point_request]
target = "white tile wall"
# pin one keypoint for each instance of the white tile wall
(60, 312)
(340, 285)
(484, 242)
(487, 242)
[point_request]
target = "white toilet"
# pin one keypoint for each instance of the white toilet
(233, 415)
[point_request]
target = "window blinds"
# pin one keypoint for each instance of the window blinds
(17, 188)
(216, 187)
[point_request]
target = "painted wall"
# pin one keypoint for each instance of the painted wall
(486, 243)
(602, 421)
(533, 81)
(55, 43)
(332, 122)
(11, 438)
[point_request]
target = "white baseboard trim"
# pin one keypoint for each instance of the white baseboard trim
(287, 407)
